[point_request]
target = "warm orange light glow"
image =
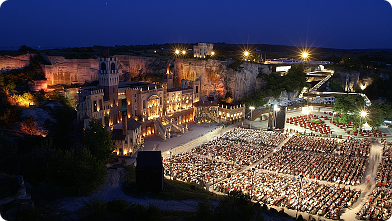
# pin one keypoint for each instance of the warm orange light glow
(24, 100)
(246, 53)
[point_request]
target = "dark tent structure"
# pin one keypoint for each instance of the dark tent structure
(149, 171)
(276, 117)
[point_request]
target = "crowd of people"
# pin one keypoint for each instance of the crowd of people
(384, 172)
(241, 152)
(333, 168)
(379, 205)
(219, 158)
(292, 192)
(192, 168)
(355, 148)
(241, 146)
(219, 161)
(255, 136)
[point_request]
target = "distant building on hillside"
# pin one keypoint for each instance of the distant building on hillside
(201, 50)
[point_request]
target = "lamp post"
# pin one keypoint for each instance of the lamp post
(276, 109)
(363, 114)
(333, 115)
(251, 116)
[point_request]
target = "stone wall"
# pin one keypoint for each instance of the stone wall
(67, 71)
(70, 71)
(8, 62)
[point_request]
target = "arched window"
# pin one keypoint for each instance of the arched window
(103, 66)
(113, 67)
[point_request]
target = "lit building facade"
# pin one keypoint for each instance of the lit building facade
(159, 109)
(210, 111)
(132, 110)
(201, 50)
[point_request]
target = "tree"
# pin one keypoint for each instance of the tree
(350, 106)
(98, 141)
(236, 207)
(335, 86)
(348, 103)
(31, 126)
(25, 48)
(377, 113)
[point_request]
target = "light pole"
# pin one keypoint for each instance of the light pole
(363, 114)
(333, 115)
(276, 109)
(251, 116)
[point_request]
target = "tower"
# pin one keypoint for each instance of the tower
(168, 78)
(108, 80)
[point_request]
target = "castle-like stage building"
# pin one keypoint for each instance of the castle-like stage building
(132, 109)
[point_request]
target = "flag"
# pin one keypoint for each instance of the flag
(106, 54)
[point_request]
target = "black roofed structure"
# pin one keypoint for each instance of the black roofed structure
(149, 171)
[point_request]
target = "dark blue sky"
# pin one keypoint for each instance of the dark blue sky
(347, 24)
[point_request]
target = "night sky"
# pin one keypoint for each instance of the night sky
(345, 24)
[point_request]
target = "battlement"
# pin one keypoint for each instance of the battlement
(108, 72)
(108, 59)
(89, 91)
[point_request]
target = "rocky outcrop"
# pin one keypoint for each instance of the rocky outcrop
(70, 71)
(211, 74)
(217, 78)
(78, 71)
(244, 80)
(132, 66)
(353, 80)
(9, 62)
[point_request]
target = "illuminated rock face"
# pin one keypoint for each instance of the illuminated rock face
(244, 80)
(217, 79)
(354, 80)
(67, 71)
(211, 73)
(8, 62)
(70, 71)
(132, 66)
